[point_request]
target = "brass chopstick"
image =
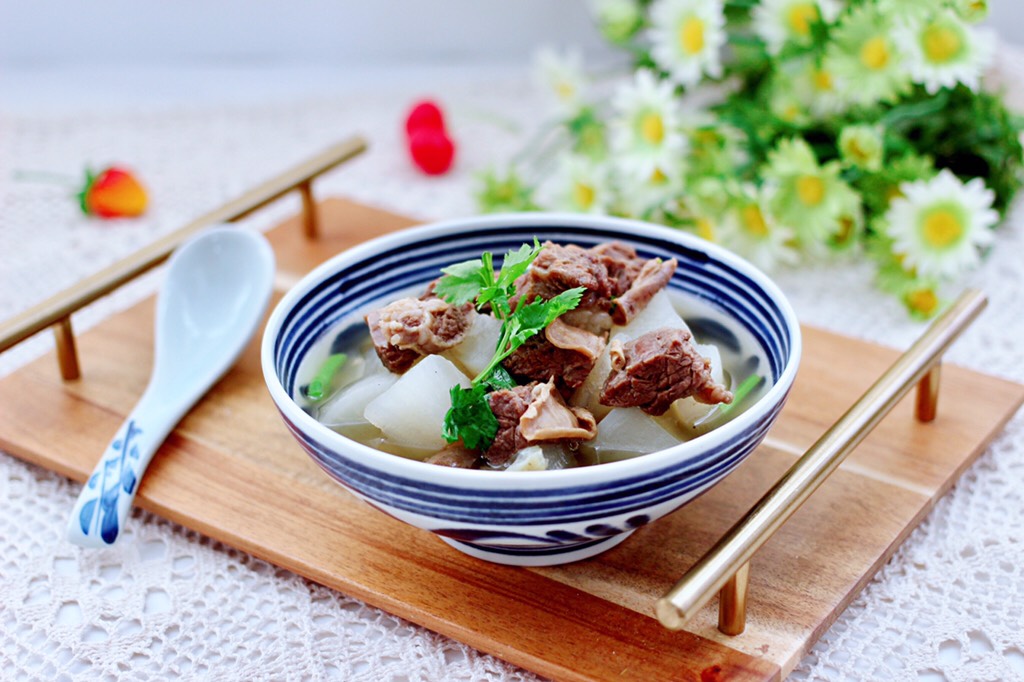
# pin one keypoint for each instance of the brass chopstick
(728, 559)
(57, 309)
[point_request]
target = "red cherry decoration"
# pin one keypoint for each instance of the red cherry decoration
(431, 150)
(425, 114)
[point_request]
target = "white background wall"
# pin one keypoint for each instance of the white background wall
(45, 33)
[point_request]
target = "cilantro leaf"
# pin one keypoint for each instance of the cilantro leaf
(499, 379)
(470, 418)
(515, 264)
(531, 318)
(462, 282)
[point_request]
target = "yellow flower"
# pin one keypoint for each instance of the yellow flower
(861, 146)
(938, 226)
(581, 185)
(779, 22)
(750, 229)
(866, 58)
(645, 132)
(942, 51)
(809, 197)
(687, 37)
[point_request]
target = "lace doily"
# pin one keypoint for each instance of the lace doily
(167, 602)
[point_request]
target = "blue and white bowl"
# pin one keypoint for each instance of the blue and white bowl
(527, 518)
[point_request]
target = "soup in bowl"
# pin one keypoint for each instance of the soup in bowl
(380, 421)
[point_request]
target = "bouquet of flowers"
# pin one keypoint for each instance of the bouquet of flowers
(788, 130)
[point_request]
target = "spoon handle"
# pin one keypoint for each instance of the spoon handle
(102, 507)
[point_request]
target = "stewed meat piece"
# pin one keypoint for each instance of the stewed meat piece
(533, 414)
(656, 369)
(652, 278)
(409, 328)
(508, 405)
(562, 352)
(618, 282)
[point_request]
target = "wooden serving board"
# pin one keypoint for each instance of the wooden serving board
(233, 472)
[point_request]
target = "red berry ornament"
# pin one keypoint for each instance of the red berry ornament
(425, 114)
(429, 145)
(432, 151)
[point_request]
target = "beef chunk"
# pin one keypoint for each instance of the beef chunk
(618, 282)
(652, 278)
(563, 352)
(559, 268)
(455, 455)
(508, 405)
(621, 262)
(531, 414)
(656, 369)
(409, 328)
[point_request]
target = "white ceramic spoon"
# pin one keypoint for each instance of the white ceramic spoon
(216, 290)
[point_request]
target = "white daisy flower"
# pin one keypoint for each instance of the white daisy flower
(909, 8)
(687, 37)
(821, 88)
(790, 21)
(561, 74)
(971, 10)
(646, 197)
(942, 51)
(807, 196)
(751, 230)
(645, 131)
(618, 20)
(581, 185)
(862, 146)
(938, 226)
(866, 59)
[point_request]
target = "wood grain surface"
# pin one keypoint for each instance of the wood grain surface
(231, 471)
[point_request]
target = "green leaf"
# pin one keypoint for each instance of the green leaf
(531, 318)
(500, 378)
(462, 282)
(321, 382)
(470, 418)
(516, 263)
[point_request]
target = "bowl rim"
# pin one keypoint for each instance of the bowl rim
(504, 480)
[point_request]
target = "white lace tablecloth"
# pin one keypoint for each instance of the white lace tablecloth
(168, 602)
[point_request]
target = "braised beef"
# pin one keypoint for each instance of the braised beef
(508, 406)
(562, 352)
(621, 262)
(652, 278)
(618, 282)
(409, 328)
(559, 268)
(656, 369)
(455, 455)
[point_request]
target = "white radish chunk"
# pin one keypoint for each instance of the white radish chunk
(529, 459)
(411, 412)
(626, 433)
(476, 349)
(688, 411)
(659, 314)
(541, 458)
(347, 406)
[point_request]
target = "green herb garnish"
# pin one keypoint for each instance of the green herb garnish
(470, 417)
(741, 392)
(324, 376)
